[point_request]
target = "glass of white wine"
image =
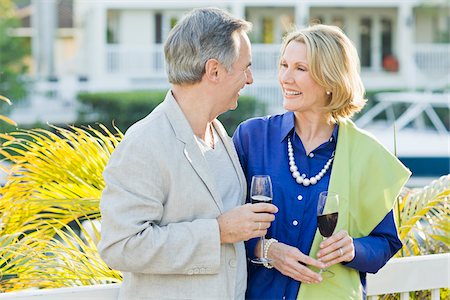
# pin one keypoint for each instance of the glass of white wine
(261, 192)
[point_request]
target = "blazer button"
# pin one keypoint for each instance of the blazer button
(232, 263)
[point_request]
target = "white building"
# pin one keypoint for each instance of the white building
(119, 43)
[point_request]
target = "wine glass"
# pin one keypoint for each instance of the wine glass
(261, 192)
(327, 216)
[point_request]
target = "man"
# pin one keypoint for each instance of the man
(172, 213)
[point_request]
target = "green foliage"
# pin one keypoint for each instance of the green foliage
(12, 53)
(121, 108)
(248, 107)
(125, 108)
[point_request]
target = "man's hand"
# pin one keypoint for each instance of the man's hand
(246, 222)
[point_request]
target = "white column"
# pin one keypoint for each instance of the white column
(97, 55)
(406, 43)
(376, 44)
(44, 26)
(302, 13)
(238, 9)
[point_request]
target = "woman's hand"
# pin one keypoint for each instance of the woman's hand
(293, 263)
(337, 248)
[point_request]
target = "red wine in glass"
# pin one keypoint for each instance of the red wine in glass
(327, 224)
(327, 216)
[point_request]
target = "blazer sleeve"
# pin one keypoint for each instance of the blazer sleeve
(132, 206)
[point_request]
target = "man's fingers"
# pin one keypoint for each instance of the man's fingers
(264, 207)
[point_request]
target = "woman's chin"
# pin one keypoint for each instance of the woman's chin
(288, 105)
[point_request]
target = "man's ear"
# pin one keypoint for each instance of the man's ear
(212, 69)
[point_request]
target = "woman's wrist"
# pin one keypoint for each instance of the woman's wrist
(267, 246)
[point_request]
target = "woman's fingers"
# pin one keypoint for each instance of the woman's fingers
(338, 248)
(293, 263)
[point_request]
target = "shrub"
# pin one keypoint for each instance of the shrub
(125, 108)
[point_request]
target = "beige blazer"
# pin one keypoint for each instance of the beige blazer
(159, 211)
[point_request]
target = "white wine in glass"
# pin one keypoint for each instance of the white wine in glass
(261, 192)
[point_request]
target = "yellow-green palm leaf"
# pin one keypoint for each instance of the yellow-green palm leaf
(55, 179)
(424, 218)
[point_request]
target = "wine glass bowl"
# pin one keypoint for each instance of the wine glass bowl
(261, 192)
(327, 216)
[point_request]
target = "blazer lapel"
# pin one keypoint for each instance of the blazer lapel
(191, 151)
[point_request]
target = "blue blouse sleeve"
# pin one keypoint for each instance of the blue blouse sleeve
(372, 252)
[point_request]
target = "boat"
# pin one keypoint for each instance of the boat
(415, 127)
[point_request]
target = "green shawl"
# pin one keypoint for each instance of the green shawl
(368, 179)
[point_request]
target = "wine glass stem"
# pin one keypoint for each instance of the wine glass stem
(263, 241)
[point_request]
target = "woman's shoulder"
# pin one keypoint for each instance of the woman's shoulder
(364, 140)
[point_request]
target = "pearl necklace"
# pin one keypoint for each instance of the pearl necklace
(301, 179)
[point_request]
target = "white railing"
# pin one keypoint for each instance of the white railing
(135, 61)
(408, 274)
(433, 59)
(429, 58)
(400, 275)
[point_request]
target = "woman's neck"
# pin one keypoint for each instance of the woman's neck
(313, 129)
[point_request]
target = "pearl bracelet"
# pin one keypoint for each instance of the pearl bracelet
(267, 245)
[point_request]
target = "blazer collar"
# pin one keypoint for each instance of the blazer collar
(191, 151)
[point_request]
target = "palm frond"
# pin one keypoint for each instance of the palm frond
(54, 176)
(55, 179)
(425, 218)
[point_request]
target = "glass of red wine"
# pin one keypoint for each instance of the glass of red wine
(327, 216)
(261, 192)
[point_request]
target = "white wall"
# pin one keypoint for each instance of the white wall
(137, 28)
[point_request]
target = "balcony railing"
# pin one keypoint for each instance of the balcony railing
(400, 275)
(433, 59)
(149, 61)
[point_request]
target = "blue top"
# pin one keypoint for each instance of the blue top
(261, 144)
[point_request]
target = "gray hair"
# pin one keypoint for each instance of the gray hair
(202, 34)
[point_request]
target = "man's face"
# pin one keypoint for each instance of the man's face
(240, 73)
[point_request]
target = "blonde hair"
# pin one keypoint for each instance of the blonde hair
(334, 64)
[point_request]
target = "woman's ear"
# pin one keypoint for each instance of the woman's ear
(212, 70)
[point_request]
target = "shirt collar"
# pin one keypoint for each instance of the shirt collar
(287, 126)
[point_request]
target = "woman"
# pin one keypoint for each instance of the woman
(322, 89)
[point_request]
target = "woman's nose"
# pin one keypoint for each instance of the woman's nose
(285, 76)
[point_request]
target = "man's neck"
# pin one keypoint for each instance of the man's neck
(197, 107)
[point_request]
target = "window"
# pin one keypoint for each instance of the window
(366, 42)
(267, 30)
(112, 27)
(158, 28)
(338, 21)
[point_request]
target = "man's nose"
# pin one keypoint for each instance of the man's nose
(249, 76)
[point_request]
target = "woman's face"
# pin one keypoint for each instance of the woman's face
(300, 92)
